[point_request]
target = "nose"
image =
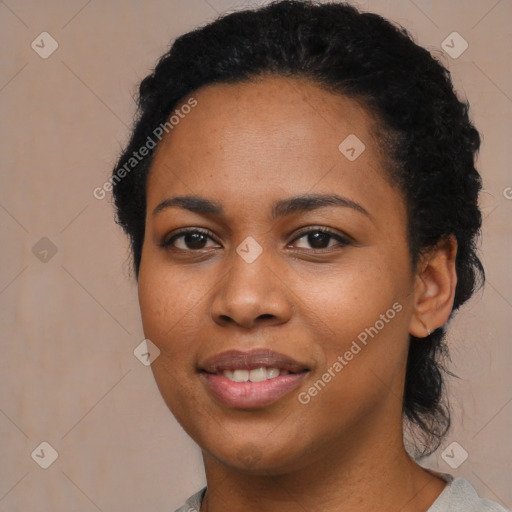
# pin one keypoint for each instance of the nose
(250, 295)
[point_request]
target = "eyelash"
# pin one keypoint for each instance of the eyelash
(342, 241)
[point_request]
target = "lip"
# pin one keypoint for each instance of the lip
(246, 395)
(236, 359)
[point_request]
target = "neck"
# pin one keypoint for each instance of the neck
(363, 475)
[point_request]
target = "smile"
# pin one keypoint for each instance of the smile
(252, 379)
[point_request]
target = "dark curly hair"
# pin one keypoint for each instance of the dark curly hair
(425, 132)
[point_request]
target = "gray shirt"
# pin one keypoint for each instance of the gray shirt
(458, 496)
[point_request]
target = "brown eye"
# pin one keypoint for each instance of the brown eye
(319, 239)
(192, 240)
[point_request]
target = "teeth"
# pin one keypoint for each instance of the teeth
(256, 375)
(241, 375)
(272, 372)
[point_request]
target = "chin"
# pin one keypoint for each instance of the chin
(257, 456)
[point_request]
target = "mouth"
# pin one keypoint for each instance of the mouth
(251, 379)
(255, 375)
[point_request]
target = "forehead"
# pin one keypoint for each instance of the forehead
(261, 138)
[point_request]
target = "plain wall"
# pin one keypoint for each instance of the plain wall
(69, 325)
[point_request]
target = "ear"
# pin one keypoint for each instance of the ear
(434, 288)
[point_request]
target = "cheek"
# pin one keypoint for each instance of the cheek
(169, 309)
(170, 302)
(360, 314)
(351, 297)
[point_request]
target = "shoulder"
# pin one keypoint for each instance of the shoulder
(193, 504)
(460, 496)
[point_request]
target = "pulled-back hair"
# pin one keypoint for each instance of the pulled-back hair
(424, 129)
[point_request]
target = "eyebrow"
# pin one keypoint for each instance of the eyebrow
(281, 208)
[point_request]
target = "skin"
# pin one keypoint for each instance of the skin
(247, 146)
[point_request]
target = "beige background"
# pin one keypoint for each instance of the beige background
(69, 325)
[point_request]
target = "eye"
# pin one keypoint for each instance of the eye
(319, 238)
(190, 240)
(197, 239)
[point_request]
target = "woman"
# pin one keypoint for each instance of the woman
(301, 200)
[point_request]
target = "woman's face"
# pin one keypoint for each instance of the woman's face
(286, 250)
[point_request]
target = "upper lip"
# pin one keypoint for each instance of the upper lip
(249, 360)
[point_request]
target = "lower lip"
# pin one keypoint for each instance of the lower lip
(251, 394)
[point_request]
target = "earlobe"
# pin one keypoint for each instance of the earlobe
(435, 283)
